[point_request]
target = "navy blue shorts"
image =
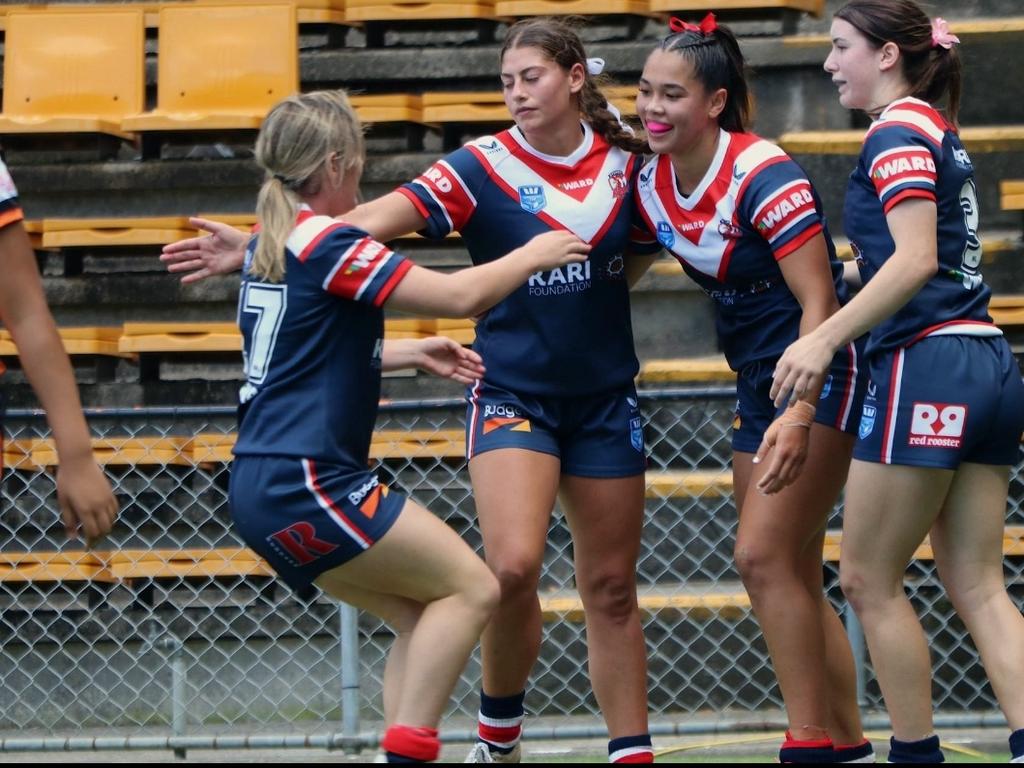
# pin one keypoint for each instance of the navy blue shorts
(593, 435)
(942, 401)
(306, 517)
(838, 405)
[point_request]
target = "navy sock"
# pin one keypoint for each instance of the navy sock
(631, 749)
(1017, 743)
(923, 751)
(850, 752)
(501, 721)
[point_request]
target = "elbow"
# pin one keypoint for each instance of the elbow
(465, 303)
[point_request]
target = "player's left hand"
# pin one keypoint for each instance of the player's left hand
(786, 450)
(87, 503)
(801, 368)
(448, 359)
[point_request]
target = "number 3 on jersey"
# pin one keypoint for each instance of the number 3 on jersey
(268, 303)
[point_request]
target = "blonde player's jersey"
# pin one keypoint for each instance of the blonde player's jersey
(312, 344)
(567, 331)
(754, 207)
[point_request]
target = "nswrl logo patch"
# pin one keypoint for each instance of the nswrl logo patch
(531, 198)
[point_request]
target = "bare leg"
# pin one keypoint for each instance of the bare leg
(778, 554)
(968, 543)
(515, 494)
(425, 561)
(606, 517)
(889, 510)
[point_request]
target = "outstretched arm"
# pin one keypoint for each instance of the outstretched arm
(220, 252)
(470, 291)
(438, 355)
(83, 493)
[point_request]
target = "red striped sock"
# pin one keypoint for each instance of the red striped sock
(420, 744)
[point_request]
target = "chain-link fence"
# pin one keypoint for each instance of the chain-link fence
(175, 628)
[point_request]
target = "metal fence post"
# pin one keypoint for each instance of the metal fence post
(350, 698)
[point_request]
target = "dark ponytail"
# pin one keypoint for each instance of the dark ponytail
(717, 62)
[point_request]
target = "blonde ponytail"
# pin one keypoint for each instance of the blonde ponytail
(297, 138)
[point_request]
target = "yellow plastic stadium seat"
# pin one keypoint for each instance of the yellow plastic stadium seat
(1011, 195)
(686, 371)
(52, 566)
(417, 10)
(86, 340)
(677, 600)
(34, 228)
(1007, 310)
(489, 106)
(1013, 544)
(18, 454)
(124, 451)
(696, 484)
(73, 72)
(154, 230)
(180, 337)
(570, 7)
(388, 108)
(221, 67)
(813, 7)
(1004, 138)
(185, 563)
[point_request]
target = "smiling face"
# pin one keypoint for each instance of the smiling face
(540, 94)
(854, 65)
(676, 109)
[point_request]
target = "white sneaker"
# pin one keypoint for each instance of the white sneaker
(380, 757)
(480, 753)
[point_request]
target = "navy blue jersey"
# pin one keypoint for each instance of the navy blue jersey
(312, 344)
(754, 207)
(566, 331)
(910, 151)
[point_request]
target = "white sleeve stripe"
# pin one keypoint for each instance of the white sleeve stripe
(369, 280)
(792, 223)
(774, 196)
(438, 203)
(341, 261)
(889, 188)
(454, 174)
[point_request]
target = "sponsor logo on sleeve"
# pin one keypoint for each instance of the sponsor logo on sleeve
(937, 425)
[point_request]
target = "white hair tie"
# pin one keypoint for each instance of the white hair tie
(595, 66)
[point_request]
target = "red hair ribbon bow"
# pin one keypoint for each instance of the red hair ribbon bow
(706, 26)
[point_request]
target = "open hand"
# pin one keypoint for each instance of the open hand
(218, 253)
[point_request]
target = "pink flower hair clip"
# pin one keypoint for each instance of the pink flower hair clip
(941, 36)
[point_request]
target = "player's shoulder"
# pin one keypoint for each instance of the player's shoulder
(314, 234)
(906, 120)
(750, 154)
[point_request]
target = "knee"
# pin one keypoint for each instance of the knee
(516, 579)
(609, 596)
(863, 588)
(485, 593)
(758, 567)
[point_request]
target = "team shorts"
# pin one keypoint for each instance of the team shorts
(838, 405)
(942, 401)
(305, 517)
(593, 435)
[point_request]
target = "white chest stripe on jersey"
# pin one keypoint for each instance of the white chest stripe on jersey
(708, 254)
(585, 218)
